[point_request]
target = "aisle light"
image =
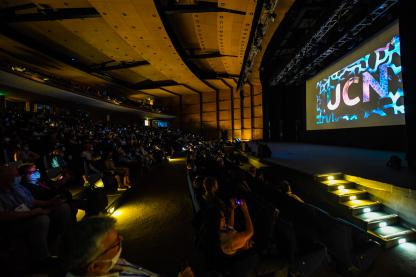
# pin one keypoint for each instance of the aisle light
(402, 240)
(116, 214)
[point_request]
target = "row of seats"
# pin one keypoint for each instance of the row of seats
(295, 235)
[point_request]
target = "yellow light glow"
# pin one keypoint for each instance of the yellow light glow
(111, 210)
(330, 178)
(80, 214)
(175, 160)
(353, 197)
(117, 213)
(341, 187)
(99, 184)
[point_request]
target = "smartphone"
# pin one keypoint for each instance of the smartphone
(238, 202)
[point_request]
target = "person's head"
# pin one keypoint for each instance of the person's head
(92, 247)
(8, 175)
(210, 185)
(285, 187)
(29, 173)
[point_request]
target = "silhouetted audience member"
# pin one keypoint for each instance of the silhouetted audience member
(94, 248)
(29, 220)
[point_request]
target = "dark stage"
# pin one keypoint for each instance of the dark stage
(318, 159)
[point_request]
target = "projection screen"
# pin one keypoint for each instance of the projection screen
(362, 89)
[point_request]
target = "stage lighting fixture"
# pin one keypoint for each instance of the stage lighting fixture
(403, 240)
(367, 210)
(353, 197)
(330, 178)
(111, 210)
(382, 224)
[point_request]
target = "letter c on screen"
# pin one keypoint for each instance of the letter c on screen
(345, 96)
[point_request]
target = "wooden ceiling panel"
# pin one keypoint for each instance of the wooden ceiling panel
(128, 75)
(97, 32)
(149, 72)
(61, 39)
(185, 30)
(238, 5)
(157, 92)
(61, 4)
(138, 96)
(149, 37)
(230, 81)
(218, 84)
(17, 53)
(216, 64)
(182, 90)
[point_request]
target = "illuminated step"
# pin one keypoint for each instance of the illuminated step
(338, 184)
(359, 203)
(376, 206)
(374, 219)
(348, 192)
(329, 176)
(391, 231)
(352, 195)
(375, 216)
(392, 235)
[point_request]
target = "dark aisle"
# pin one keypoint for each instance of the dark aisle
(155, 220)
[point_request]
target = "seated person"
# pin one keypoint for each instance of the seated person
(231, 240)
(31, 179)
(117, 171)
(209, 195)
(26, 155)
(91, 160)
(285, 187)
(230, 251)
(29, 220)
(94, 248)
(222, 245)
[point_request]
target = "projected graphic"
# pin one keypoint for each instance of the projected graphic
(366, 92)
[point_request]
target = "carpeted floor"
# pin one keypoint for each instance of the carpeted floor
(155, 220)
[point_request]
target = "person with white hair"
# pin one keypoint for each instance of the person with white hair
(94, 247)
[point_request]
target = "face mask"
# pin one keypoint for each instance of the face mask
(113, 261)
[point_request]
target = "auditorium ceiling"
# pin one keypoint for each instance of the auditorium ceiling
(139, 48)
